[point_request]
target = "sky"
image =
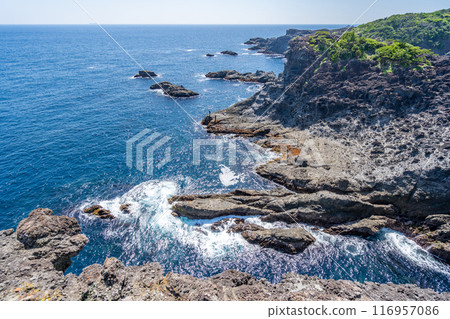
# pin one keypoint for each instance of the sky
(208, 11)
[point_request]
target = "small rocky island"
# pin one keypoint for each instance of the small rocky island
(258, 77)
(173, 90)
(145, 74)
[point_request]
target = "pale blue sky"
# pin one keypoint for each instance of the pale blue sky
(207, 11)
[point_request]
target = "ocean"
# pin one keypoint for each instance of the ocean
(68, 106)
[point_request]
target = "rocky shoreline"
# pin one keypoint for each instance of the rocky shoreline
(35, 256)
(257, 77)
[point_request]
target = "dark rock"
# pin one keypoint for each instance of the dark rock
(99, 211)
(227, 52)
(291, 240)
(258, 77)
(146, 74)
(125, 208)
(173, 90)
(206, 120)
(210, 55)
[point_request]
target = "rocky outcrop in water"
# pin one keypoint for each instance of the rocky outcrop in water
(173, 90)
(258, 77)
(276, 46)
(290, 240)
(35, 256)
(228, 52)
(99, 211)
(210, 55)
(146, 74)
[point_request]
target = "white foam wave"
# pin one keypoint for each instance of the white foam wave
(412, 251)
(228, 177)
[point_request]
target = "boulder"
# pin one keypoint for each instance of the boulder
(99, 211)
(210, 55)
(291, 240)
(125, 208)
(173, 90)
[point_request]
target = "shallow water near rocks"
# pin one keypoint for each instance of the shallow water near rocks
(68, 105)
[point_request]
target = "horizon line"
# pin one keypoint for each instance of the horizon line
(170, 24)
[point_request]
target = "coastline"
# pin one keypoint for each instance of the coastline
(328, 179)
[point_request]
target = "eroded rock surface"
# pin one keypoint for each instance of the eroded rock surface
(228, 52)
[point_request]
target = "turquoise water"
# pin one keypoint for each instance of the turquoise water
(69, 103)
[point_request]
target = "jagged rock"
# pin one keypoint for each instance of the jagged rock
(206, 120)
(99, 211)
(258, 77)
(125, 208)
(173, 90)
(291, 240)
(146, 74)
(365, 228)
(227, 52)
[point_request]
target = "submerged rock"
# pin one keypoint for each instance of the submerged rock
(146, 74)
(173, 90)
(291, 240)
(99, 211)
(228, 52)
(258, 77)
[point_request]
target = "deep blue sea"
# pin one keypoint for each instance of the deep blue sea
(68, 105)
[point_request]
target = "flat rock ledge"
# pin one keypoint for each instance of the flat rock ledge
(173, 90)
(257, 77)
(291, 240)
(34, 257)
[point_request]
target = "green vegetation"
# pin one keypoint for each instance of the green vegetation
(353, 46)
(427, 30)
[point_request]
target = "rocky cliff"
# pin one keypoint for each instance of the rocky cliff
(355, 140)
(34, 257)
